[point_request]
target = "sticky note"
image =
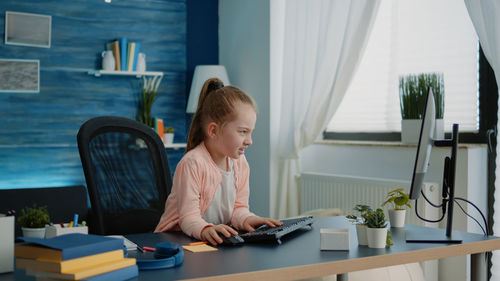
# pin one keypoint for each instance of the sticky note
(199, 248)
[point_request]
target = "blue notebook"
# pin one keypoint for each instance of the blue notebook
(116, 275)
(67, 246)
(123, 53)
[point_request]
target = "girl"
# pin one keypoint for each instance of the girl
(210, 189)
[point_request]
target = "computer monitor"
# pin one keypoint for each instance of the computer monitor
(425, 143)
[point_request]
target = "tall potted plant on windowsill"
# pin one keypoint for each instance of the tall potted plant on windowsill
(412, 95)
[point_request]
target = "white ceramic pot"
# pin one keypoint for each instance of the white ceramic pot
(33, 232)
(361, 233)
(439, 129)
(376, 237)
(397, 217)
(410, 130)
(169, 138)
(141, 62)
(108, 60)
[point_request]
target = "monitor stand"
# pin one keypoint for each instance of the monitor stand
(436, 235)
(432, 235)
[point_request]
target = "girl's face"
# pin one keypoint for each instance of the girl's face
(236, 135)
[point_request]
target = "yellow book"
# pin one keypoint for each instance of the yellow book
(87, 272)
(130, 56)
(68, 266)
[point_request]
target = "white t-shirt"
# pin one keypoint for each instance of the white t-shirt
(221, 208)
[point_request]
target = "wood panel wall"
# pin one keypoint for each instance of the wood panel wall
(38, 131)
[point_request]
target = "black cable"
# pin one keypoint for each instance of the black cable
(426, 220)
(463, 210)
(428, 201)
(481, 213)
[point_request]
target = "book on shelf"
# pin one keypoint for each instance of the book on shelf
(159, 127)
(69, 265)
(123, 53)
(65, 247)
(130, 56)
(86, 272)
(136, 54)
(115, 47)
(125, 273)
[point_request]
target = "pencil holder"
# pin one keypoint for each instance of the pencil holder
(57, 229)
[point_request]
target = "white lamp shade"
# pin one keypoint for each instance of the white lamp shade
(201, 74)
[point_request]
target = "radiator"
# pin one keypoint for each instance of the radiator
(318, 191)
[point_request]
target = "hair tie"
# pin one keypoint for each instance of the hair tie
(218, 85)
(215, 86)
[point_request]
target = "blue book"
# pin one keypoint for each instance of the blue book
(123, 53)
(65, 247)
(116, 275)
(136, 54)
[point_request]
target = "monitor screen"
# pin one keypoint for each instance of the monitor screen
(424, 147)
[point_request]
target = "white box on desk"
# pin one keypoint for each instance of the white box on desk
(57, 229)
(334, 239)
(6, 243)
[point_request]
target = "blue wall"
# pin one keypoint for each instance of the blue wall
(38, 131)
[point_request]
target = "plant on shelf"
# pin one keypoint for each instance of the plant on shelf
(398, 199)
(413, 91)
(33, 221)
(169, 135)
(148, 95)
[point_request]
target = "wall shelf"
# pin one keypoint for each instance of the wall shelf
(175, 145)
(138, 74)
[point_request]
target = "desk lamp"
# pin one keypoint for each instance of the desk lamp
(201, 74)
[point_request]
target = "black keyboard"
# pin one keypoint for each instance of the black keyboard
(274, 234)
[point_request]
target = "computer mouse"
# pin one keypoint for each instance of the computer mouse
(232, 240)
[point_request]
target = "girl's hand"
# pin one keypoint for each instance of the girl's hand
(211, 233)
(254, 221)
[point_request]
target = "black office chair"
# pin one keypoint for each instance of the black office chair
(127, 174)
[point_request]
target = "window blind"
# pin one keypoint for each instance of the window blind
(413, 37)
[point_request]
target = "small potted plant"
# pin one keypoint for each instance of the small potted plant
(360, 222)
(33, 221)
(169, 135)
(376, 229)
(398, 199)
(147, 96)
(412, 97)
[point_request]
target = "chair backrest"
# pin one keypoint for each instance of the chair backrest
(127, 174)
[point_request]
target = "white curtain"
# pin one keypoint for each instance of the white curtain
(485, 16)
(323, 43)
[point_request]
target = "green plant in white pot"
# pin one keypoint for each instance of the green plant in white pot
(412, 94)
(169, 135)
(376, 229)
(33, 221)
(360, 222)
(399, 200)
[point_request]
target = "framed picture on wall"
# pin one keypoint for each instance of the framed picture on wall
(21, 76)
(27, 29)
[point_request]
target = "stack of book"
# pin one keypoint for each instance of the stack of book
(125, 54)
(75, 257)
